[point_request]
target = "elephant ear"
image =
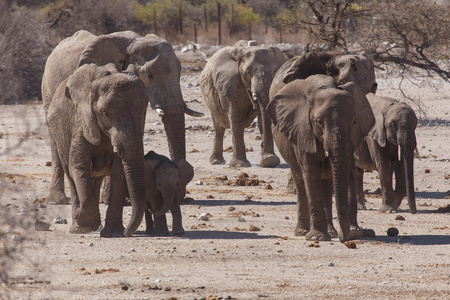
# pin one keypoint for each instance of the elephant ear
(363, 112)
(289, 112)
(110, 48)
(225, 75)
(185, 175)
(304, 66)
(379, 108)
(150, 166)
(79, 90)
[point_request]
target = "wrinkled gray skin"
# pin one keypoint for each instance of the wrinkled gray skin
(235, 84)
(166, 182)
(342, 67)
(96, 121)
(157, 66)
(316, 127)
(389, 148)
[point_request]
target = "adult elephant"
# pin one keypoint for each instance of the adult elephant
(96, 122)
(357, 68)
(156, 64)
(235, 84)
(389, 148)
(316, 126)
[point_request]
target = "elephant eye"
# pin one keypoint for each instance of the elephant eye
(150, 76)
(105, 113)
(319, 121)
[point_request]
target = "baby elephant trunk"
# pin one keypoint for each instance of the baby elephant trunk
(168, 192)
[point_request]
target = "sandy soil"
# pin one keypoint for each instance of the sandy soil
(224, 257)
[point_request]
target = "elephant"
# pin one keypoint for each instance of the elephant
(389, 148)
(235, 84)
(357, 68)
(156, 64)
(316, 126)
(96, 122)
(166, 182)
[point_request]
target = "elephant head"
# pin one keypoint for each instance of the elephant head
(112, 104)
(317, 116)
(396, 123)
(166, 181)
(342, 67)
(159, 69)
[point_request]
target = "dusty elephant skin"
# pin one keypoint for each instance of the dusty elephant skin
(221, 257)
(93, 123)
(235, 84)
(166, 182)
(389, 149)
(316, 127)
(157, 67)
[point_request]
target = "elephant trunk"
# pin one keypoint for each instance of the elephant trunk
(174, 126)
(168, 197)
(340, 166)
(132, 154)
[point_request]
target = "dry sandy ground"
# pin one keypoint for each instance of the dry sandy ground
(222, 257)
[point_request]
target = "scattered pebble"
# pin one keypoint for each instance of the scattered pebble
(59, 220)
(253, 228)
(91, 244)
(331, 264)
(350, 244)
(132, 250)
(203, 217)
(400, 218)
(240, 219)
(199, 182)
(41, 224)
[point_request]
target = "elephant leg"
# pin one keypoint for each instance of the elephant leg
(268, 157)
(303, 217)
(56, 194)
(290, 188)
(118, 188)
(177, 222)
(216, 157)
(313, 185)
(237, 130)
(361, 201)
(74, 228)
(385, 172)
(355, 231)
(327, 198)
(161, 228)
(104, 196)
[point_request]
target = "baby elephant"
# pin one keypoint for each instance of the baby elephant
(166, 182)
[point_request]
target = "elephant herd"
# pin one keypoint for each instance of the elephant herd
(319, 109)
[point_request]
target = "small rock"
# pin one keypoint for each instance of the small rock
(331, 264)
(158, 280)
(400, 218)
(231, 208)
(91, 244)
(240, 219)
(132, 250)
(41, 224)
(199, 182)
(59, 220)
(203, 217)
(253, 228)
(42, 205)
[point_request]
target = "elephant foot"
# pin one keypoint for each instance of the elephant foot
(216, 160)
(160, 232)
(240, 163)
(269, 161)
(112, 231)
(361, 205)
(87, 222)
(388, 207)
(355, 234)
(57, 198)
(301, 230)
(316, 235)
(332, 231)
(74, 228)
(178, 231)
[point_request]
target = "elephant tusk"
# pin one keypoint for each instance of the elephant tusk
(399, 153)
(254, 97)
(115, 149)
(327, 154)
(160, 112)
(192, 113)
(417, 153)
